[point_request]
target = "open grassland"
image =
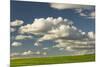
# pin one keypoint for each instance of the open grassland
(51, 60)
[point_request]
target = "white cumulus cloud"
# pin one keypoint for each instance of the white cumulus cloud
(23, 37)
(45, 48)
(44, 53)
(63, 31)
(14, 54)
(59, 29)
(15, 44)
(37, 52)
(12, 29)
(29, 52)
(43, 25)
(84, 52)
(17, 23)
(91, 35)
(89, 15)
(74, 45)
(61, 6)
(92, 15)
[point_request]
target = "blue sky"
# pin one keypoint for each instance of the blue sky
(28, 11)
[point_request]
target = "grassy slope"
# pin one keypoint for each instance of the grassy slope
(51, 60)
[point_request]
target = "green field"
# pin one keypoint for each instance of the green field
(51, 60)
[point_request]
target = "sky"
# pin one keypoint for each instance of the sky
(82, 16)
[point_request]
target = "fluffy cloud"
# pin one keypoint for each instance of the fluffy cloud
(61, 6)
(44, 53)
(29, 52)
(61, 49)
(67, 31)
(14, 54)
(22, 37)
(92, 15)
(91, 35)
(74, 45)
(45, 48)
(84, 52)
(12, 29)
(37, 43)
(43, 25)
(16, 23)
(38, 52)
(15, 44)
(57, 28)
(85, 13)
(63, 31)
